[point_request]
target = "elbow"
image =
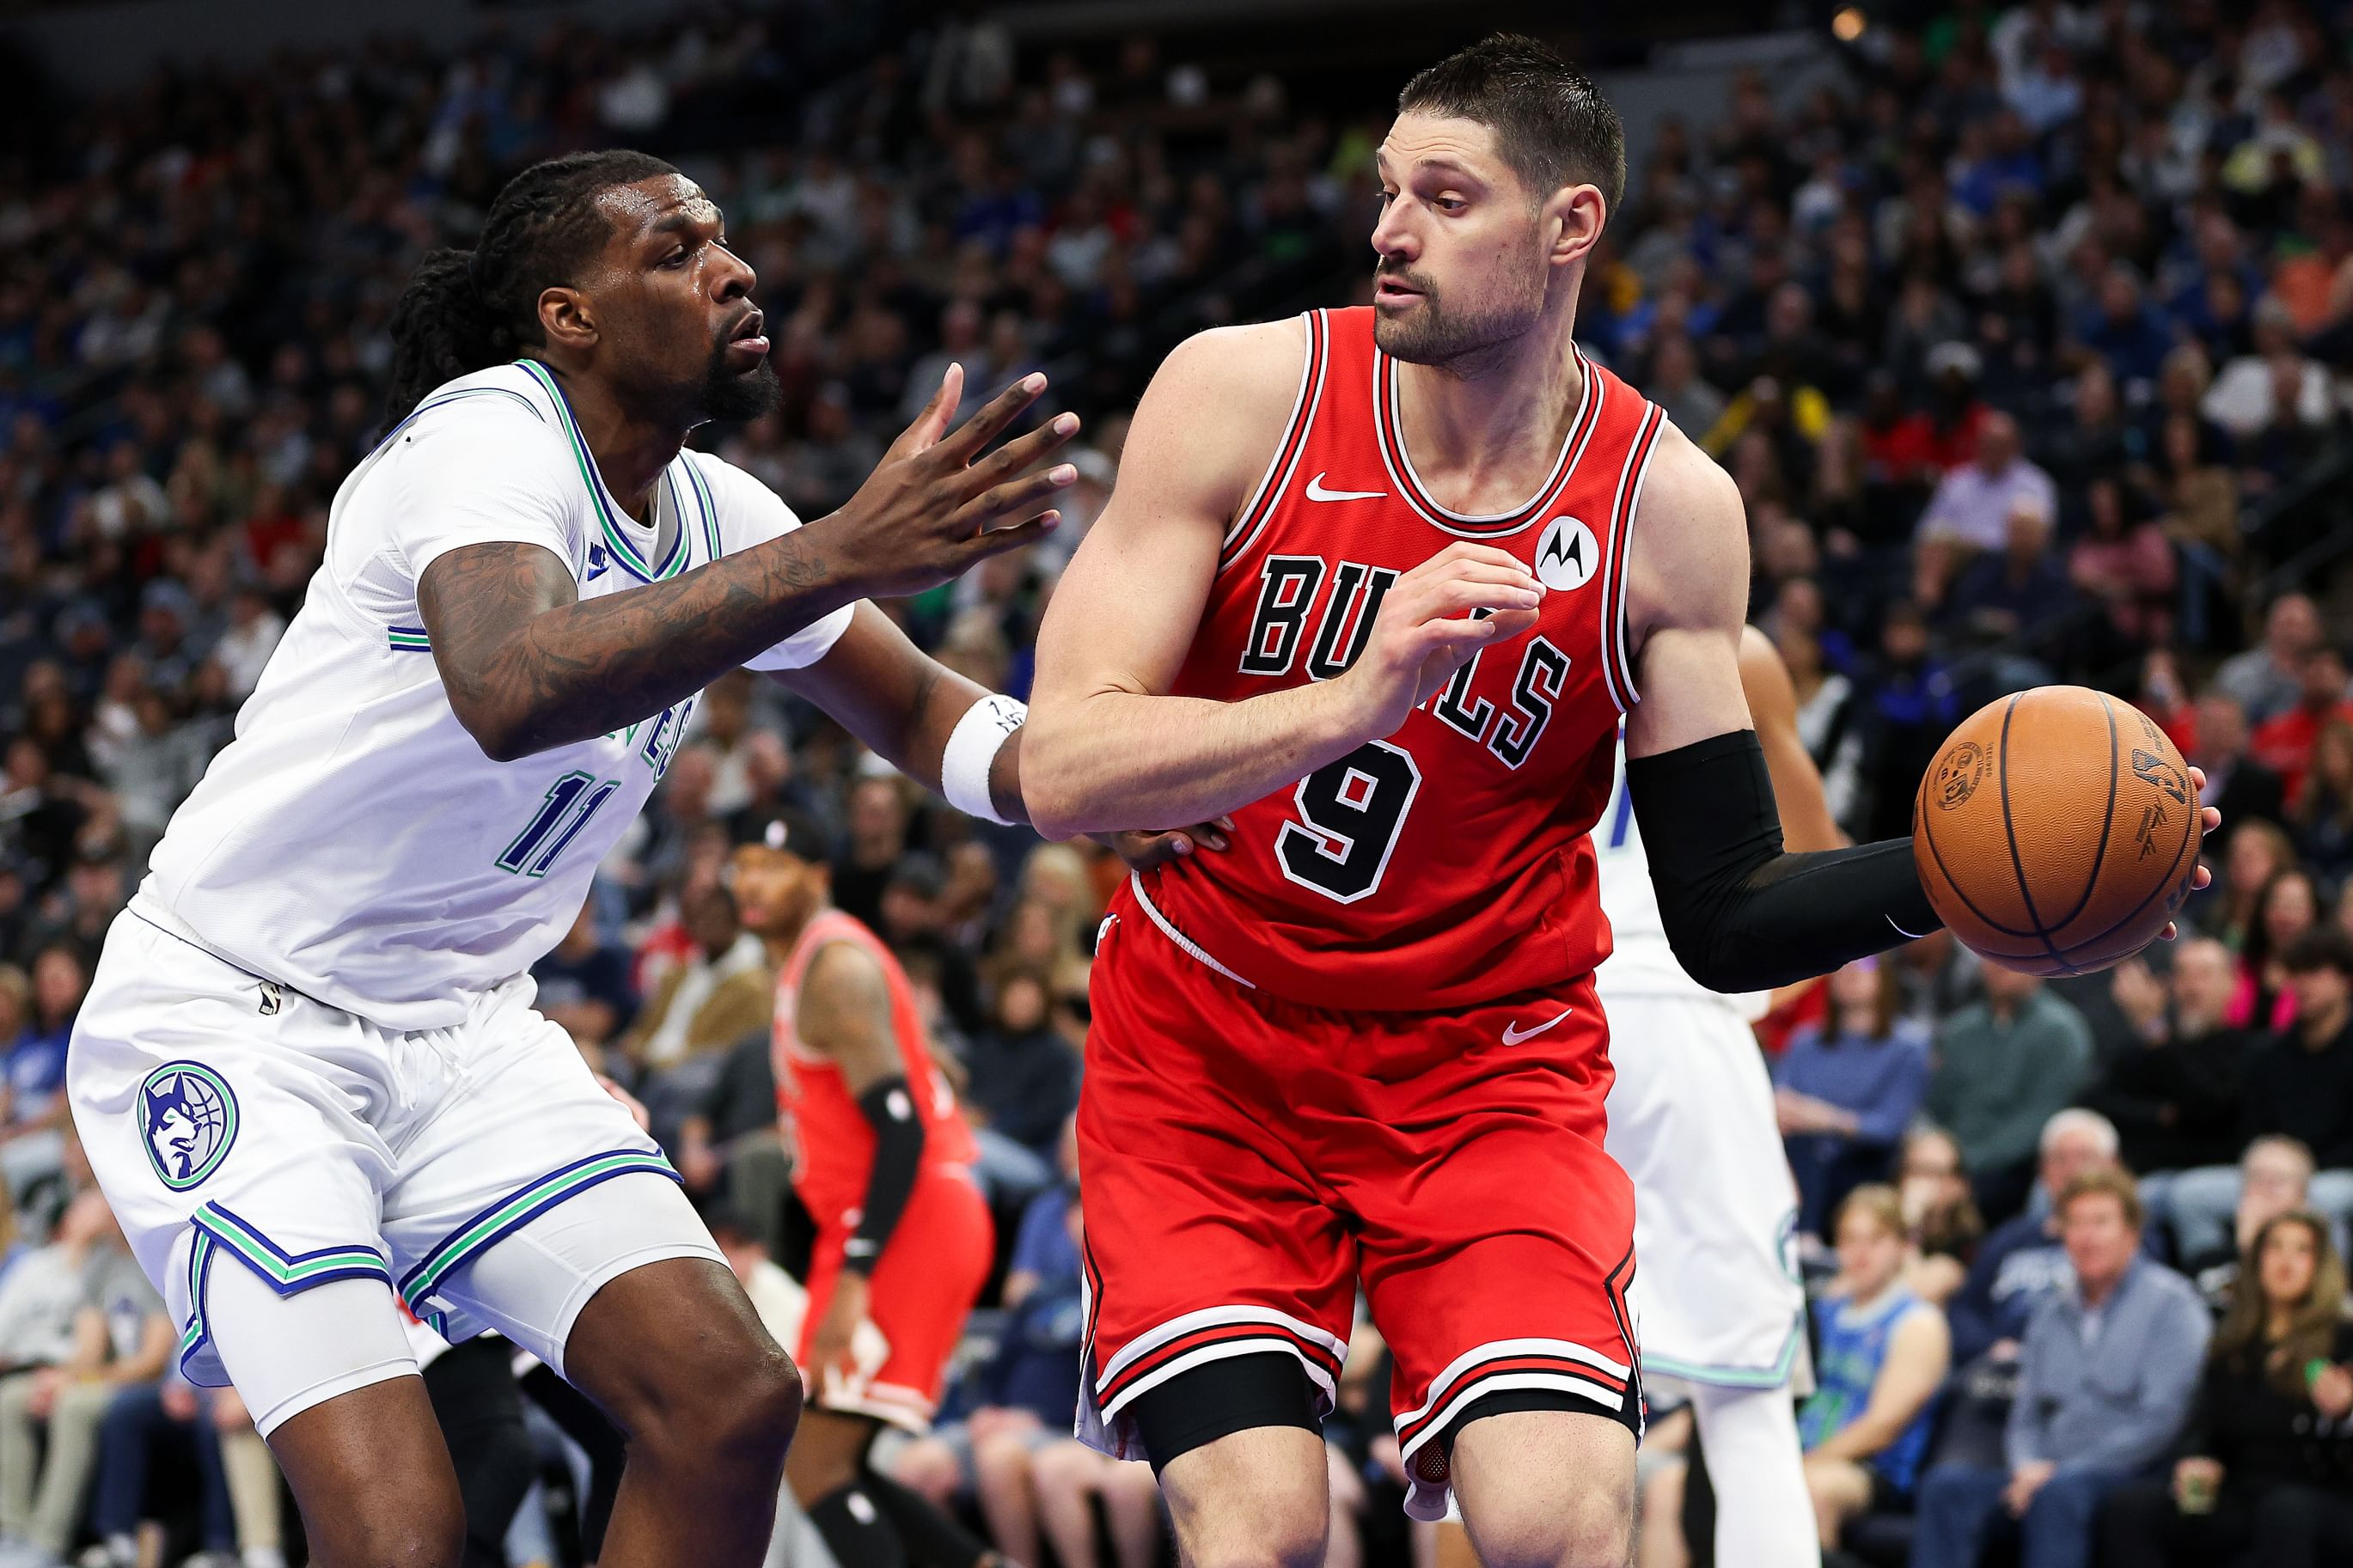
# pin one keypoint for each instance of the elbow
(1713, 965)
(502, 737)
(1050, 794)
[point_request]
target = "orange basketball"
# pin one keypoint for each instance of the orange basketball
(2057, 831)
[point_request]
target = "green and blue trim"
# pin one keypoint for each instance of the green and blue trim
(407, 639)
(710, 507)
(617, 539)
(519, 1209)
(1772, 1376)
(219, 1229)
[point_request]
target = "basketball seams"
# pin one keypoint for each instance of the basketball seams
(2107, 826)
(1945, 871)
(2010, 831)
(2165, 886)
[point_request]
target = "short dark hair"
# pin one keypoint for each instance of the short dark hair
(2325, 946)
(1551, 123)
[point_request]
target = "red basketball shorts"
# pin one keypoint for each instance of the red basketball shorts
(922, 1292)
(1248, 1161)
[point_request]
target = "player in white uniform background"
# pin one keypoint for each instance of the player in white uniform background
(308, 1073)
(1718, 1307)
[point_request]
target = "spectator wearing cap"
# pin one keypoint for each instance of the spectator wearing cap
(1975, 503)
(2106, 1371)
(2004, 1066)
(2284, 743)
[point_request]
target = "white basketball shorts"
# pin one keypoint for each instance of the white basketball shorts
(243, 1134)
(1717, 1298)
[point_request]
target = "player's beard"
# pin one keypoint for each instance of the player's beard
(735, 395)
(1436, 333)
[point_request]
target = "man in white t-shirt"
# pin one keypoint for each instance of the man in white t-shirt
(308, 1074)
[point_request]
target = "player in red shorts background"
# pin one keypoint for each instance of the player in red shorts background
(882, 1158)
(1380, 584)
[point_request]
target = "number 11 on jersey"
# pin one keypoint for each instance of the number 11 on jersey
(571, 801)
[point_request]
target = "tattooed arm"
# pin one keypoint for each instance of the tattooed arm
(529, 667)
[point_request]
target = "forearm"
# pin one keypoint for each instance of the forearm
(1742, 914)
(1121, 760)
(525, 682)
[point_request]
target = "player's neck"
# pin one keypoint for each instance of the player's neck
(781, 940)
(630, 448)
(1498, 416)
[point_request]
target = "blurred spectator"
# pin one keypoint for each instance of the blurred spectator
(1942, 1227)
(1024, 1076)
(720, 995)
(2322, 813)
(1998, 595)
(1883, 1352)
(2106, 1376)
(143, 1418)
(2003, 1068)
(2288, 905)
(2020, 1262)
(2241, 787)
(2126, 564)
(2173, 1093)
(584, 985)
(2265, 1463)
(120, 1337)
(2284, 743)
(1974, 504)
(1845, 1089)
(2275, 1178)
(31, 1130)
(2268, 678)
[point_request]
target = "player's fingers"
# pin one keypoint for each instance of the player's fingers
(1023, 451)
(1024, 497)
(991, 542)
(2213, 818)
(1463, 550)
(934, 420)
(966, 442)
(2200, 879)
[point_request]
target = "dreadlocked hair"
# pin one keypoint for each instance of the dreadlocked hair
(466, 310)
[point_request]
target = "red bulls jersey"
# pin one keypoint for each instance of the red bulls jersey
(1447, 863)
(831, 1138)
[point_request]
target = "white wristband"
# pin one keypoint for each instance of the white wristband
(972, 751)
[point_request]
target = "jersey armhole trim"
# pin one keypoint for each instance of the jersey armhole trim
(1252, 521)
(1617, 667)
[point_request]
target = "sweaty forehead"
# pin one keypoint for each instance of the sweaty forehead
(665, 201)
(1415, 140)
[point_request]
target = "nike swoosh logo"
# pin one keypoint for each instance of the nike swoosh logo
(1513, 1033)
(1315, 491)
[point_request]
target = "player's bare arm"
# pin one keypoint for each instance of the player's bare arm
(530, 666)
(1108, 747)
(1805, 810)
(1742, 910)
(904, 706)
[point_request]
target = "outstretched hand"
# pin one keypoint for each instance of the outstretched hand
(935, 505)
(2212, 818)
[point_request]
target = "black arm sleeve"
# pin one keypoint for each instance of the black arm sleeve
(1740, 913)
(890, 1105)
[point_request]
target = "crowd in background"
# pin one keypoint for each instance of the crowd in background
(2027, 340)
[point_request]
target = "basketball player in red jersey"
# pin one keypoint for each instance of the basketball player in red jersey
(883, 1159)
(1380, 584)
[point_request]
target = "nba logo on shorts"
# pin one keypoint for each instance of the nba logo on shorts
(189, 1118)
(1566, 555)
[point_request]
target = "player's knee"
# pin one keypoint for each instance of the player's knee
(1588, 1531)
(1070, 1467)
(1292, 1543)
(413, 1526)
(737, 1403)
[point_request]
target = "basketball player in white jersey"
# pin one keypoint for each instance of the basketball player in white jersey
(308, 1074)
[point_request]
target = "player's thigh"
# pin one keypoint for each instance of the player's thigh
(1546, 1487)
(1209, 1237)
(529, 1191)
(1497, 1254)
(1252, 1499)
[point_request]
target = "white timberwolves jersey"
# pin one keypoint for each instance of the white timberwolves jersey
(1640, 964)
(353, 842)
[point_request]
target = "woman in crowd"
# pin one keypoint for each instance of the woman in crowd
(1883, 1352)
(2259, 850)
(2265, 1472)
(2322, 813)
(1846, 1088)
(1940, 1217)
(2288, 905)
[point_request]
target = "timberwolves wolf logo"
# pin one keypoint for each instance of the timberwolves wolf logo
(189, 1118)
(1567, 555)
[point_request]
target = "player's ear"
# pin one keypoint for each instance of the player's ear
(566, 318)
(1571, 222)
